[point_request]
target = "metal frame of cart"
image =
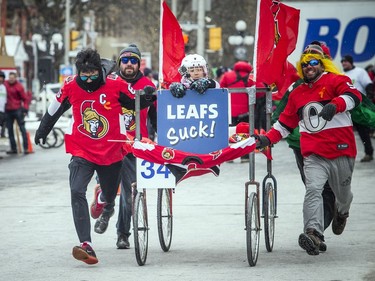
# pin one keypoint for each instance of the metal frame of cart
(255, 208)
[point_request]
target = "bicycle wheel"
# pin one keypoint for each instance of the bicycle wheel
(59, 135)
(165, 218)
(140, 226)
(252, 229)
(269, 216)
(51, 140)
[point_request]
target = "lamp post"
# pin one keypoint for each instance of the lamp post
(67, 32)
(36, 38)
(241, 40)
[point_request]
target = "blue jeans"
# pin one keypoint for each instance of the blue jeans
(20, 117)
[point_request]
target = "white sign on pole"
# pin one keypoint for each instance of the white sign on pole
(152, 175)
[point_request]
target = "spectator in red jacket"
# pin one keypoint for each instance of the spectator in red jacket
(16, 108)
(238, 78)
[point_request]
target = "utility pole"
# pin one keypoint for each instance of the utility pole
(201, 28)
(67, 32)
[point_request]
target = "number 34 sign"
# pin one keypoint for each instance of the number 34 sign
(152, 175)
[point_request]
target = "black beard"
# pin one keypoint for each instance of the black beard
(132, 79)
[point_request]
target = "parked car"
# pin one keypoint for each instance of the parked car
(44, 98)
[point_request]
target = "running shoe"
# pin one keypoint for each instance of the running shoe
(85, 253)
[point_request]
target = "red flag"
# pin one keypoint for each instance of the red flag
(288, 77)
(277, 30)
(172, 47)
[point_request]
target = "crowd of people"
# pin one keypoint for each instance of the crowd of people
(325, 155)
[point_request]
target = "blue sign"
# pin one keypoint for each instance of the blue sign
(195, 123)
(349, 38)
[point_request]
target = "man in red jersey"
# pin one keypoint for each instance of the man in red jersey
(320, 107)
(128, 69)
(92, 139)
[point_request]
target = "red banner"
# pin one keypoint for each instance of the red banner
(172, 46)
(277, 38)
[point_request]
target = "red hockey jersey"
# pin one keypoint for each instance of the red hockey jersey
(129, 114)
(96, 120)
(329, 139)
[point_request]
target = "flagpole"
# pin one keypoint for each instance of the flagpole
(161, 46)
(256, 40)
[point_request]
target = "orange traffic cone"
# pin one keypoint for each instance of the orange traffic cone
(29, 144)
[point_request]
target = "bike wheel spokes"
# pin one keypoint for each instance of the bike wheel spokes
(140, 225)
(252, 229)
(165, 218)
(50, 140)
(59, 135)
(269, 216)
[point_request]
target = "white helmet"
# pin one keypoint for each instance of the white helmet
(193, 61)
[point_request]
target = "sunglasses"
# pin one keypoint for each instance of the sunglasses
(125, 60)
(311, 63)
(92, 77)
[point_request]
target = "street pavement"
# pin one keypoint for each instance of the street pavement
(209, 243)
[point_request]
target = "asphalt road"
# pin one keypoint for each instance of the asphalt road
(209, 243)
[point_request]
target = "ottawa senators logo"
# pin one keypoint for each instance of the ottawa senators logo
(168, 153)
(216, 154)
(93, 124)
(129, 119)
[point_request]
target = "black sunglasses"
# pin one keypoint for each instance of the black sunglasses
(92, 77)
(125, 60)
(313, 62)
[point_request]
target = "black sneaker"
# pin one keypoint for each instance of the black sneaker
(123, 242)
(311, 242)
(102, 222)
(339, 222)
(12, 152)
(367, 158)
(85, 253)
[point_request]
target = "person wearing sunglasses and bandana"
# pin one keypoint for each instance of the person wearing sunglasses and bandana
(93, 138)
(320, 108)
(128, 64)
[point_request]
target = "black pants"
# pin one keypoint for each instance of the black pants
(327, 194)
(364, 134)
(17, 115)
(128, 176)
(81, 172)
(259, 115)
(2, 124)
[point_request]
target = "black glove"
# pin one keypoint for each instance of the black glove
(328, 111)
(40, 135)
(149, 93)
(261, 141)
(24, 111)
(178, 90)
(200, 85)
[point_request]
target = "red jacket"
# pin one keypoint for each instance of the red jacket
(16, 96)
(236, 79)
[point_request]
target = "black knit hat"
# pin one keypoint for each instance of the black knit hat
(130, 51)
(347, 58)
